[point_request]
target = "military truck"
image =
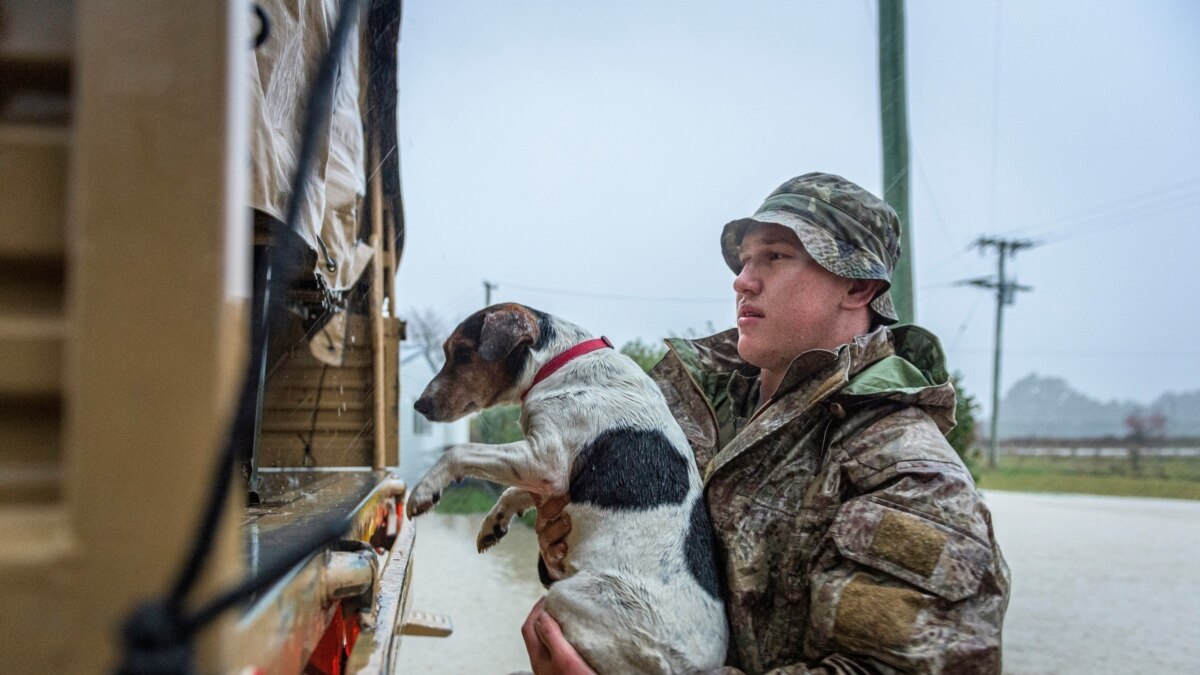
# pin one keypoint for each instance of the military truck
(198, 339)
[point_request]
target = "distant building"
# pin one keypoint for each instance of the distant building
(422, 441)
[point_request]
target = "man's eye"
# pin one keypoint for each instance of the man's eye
(775, 255)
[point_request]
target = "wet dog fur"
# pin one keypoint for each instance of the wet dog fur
(642, 592)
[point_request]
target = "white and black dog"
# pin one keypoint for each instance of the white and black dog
(642, 593)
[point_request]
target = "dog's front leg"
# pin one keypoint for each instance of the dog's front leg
(513, 503)
(540, 468)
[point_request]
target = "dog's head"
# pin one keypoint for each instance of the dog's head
(485, 356)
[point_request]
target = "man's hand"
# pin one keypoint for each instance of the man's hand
(552, 527)
(549, 651)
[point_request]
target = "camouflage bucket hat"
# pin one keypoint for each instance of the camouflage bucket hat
(846, 229)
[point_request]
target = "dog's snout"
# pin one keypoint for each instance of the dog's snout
(424, 405)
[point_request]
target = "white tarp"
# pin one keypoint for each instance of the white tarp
(281, 70)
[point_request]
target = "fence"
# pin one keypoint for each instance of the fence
(1108, 454)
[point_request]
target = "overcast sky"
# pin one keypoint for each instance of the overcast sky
(584, 156)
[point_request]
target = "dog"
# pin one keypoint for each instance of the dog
(642, 589)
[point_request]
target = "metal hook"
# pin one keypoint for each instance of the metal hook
(330, 263)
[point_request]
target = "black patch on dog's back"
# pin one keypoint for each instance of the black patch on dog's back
(630, 469)
(700, 549)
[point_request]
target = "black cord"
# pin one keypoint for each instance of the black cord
(158, 634)
(322, 536)
(317, 114)
(320, 107)
(312, 429)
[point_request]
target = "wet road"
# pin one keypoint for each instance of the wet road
(1100, 585)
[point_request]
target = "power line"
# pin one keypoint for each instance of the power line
(458, 299)
(1121, 219)
(947, 261)
(962, 328)
(937, 214)
(995, 106)
(613, 296)
(872, 17)
(1130, 204)
(1101, 223)
(937, 211)
(1092, 353)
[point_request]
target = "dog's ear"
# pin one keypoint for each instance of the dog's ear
(505, 329)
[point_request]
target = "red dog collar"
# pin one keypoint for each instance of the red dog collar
(564, 358)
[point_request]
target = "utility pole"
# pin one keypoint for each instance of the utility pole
(893, 116)
(1005, 295)
(487, 292)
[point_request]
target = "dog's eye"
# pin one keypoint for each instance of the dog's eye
(462, 355)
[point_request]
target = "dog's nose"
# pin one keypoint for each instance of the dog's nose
(424, 405)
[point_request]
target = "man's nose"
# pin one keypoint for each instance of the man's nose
(747, 282)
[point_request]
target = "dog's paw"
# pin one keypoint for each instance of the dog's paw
(494, 527)
(422, 501)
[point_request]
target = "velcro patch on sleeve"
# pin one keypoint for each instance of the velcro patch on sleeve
(875, 614)
(911, 546)
(908, 542)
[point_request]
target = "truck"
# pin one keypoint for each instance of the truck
(200, 225)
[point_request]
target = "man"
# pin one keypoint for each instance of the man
(852, 536)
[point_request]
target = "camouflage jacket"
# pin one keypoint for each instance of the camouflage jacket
(852, 537)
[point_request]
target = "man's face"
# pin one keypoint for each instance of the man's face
(786, 302)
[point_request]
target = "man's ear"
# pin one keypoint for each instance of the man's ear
(861, 292)
(505, 329)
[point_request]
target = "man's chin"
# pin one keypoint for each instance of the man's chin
(748, 350)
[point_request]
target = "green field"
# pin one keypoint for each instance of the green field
(1169, 477)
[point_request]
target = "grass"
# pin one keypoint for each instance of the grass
(474, 497)
(1167, 477)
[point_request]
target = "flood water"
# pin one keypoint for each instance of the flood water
(1100, 585)
(487, 596)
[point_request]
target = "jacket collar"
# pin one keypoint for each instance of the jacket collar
(811, 378)
(903, 364)
(717, 354)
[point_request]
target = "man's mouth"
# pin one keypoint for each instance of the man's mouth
(750, 311)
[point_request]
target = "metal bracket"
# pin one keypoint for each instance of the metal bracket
(350, 574)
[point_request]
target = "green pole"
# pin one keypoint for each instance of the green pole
(894, 120)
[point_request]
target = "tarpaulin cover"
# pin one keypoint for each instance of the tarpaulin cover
(281, 71)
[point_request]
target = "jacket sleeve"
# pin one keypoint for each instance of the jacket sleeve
(908, 577)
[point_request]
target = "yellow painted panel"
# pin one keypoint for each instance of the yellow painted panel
(33, 192)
